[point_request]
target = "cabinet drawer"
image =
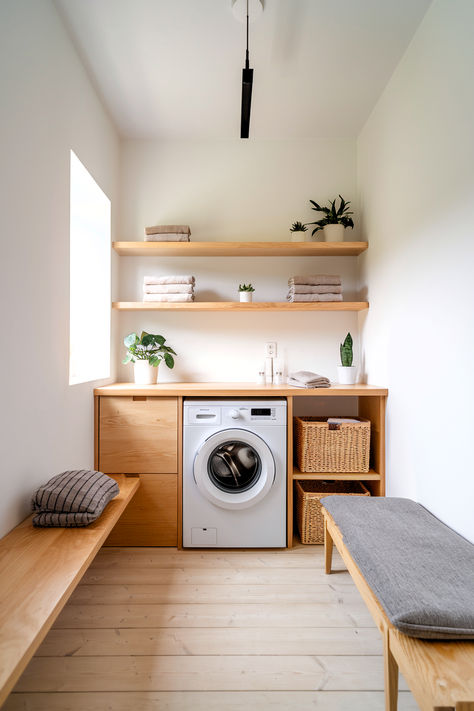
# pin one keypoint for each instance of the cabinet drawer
(150, 519)
(138, 435)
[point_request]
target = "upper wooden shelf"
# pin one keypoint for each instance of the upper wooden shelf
(239, 249)
(240, 306)
(237, 390)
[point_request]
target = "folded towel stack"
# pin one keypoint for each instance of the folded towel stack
(167, 233)
(307, 379)
(168, 288)
(319, 287)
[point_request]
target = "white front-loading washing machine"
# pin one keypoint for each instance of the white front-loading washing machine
(234, 473)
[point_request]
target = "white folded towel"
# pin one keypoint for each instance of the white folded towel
(313, 297)
(319, 289)
(168, 297)
(307, 379)
(168, 288)
(167, 238)
(168, 229)
(169, 279)
(315, 279)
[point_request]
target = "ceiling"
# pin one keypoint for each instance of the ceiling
(172, 68)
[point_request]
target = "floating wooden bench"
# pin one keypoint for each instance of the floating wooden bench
(439, 673)
(39, 569)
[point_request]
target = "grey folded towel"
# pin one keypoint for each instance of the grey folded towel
(168, 288)
(307, 379)
(168, 297)
(313, 297)
(180, 279)
(315, 279)
(168, 229)
(319, 289)
(167, 238)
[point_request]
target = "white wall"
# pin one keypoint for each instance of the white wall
(416, 177)
(235, 190)
(46, 425)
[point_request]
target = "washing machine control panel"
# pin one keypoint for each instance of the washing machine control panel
(235, 413)
(249, 414)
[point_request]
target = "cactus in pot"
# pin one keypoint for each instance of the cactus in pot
(346, 371)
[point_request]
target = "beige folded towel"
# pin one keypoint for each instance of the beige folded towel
(168, 297)
(315, 279)
(314, 297)
(168, 229)
(180, 279)
(307, 379)
(320, 289)
(173, 237)
(168, 288)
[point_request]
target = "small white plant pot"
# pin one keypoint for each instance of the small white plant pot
(297, 236)
(334, 233)
(145, 374)
(346, 374)
(246, 296)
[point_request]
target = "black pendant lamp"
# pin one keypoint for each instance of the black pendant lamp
(247, 81)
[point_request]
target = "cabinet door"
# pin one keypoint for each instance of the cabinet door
(138, 435)
(150, 519)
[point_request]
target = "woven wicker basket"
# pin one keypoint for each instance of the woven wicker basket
(321, 447)
(308, 505)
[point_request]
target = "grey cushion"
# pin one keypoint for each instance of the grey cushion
(421, 571)
(73, 498)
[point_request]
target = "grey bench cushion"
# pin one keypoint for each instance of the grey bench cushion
(421, 571)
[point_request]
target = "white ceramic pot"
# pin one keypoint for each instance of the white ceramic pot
(346, 374)
(246, 296)
(334, 233)
(145, 374)
(297, 236)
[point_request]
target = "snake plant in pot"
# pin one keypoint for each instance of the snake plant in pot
(146, 353)
(335, 219)
(346, 371)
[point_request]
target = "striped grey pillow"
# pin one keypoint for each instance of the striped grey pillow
(73, 498)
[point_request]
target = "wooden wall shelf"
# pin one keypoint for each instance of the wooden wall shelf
(239, 249)
(238, 306)
(371, 475)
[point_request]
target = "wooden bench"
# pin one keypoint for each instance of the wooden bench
(39, 569)
(439, 674)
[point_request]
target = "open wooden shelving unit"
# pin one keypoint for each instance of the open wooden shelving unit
(239, 249)
(238, 306)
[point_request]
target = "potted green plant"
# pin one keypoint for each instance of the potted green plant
(297, 231)
(245, 292)
(335, 219)
(346, 371)
(146, 353)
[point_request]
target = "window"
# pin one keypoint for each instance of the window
(89, 326)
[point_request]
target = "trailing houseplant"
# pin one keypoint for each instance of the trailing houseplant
(297, 231)
(346, 371)
(335, 219)
(245, 292)
(146, 352)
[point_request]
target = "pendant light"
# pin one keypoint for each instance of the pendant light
(247, 82)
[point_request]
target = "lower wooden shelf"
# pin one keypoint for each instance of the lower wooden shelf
(371, 475)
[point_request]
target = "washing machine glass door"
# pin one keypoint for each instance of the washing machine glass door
(234, 469)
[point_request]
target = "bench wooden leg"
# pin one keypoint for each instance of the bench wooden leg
(390, 675)
(328, 545)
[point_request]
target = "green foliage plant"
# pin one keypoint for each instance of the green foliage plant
(333, 215)
(345, 350)
(246, 287)
(150, 347)
(298, 227)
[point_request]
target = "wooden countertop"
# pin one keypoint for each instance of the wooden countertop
(234, 390)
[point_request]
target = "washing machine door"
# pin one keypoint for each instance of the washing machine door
(234, 469)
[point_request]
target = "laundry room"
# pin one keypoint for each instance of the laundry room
(238, 254)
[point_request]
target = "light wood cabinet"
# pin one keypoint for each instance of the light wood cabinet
(151, 517)
(138, 435)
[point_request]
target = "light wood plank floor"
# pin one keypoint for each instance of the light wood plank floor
(164, 629)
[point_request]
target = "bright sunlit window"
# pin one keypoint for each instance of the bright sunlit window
(89, 329)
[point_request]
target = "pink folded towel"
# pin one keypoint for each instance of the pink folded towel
(168, 229)
(168, 297)
(315, 279)
(320, 289)
(181, 279)
(314, 297)
(168, 288)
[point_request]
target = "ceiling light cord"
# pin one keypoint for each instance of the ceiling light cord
(247, 50)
